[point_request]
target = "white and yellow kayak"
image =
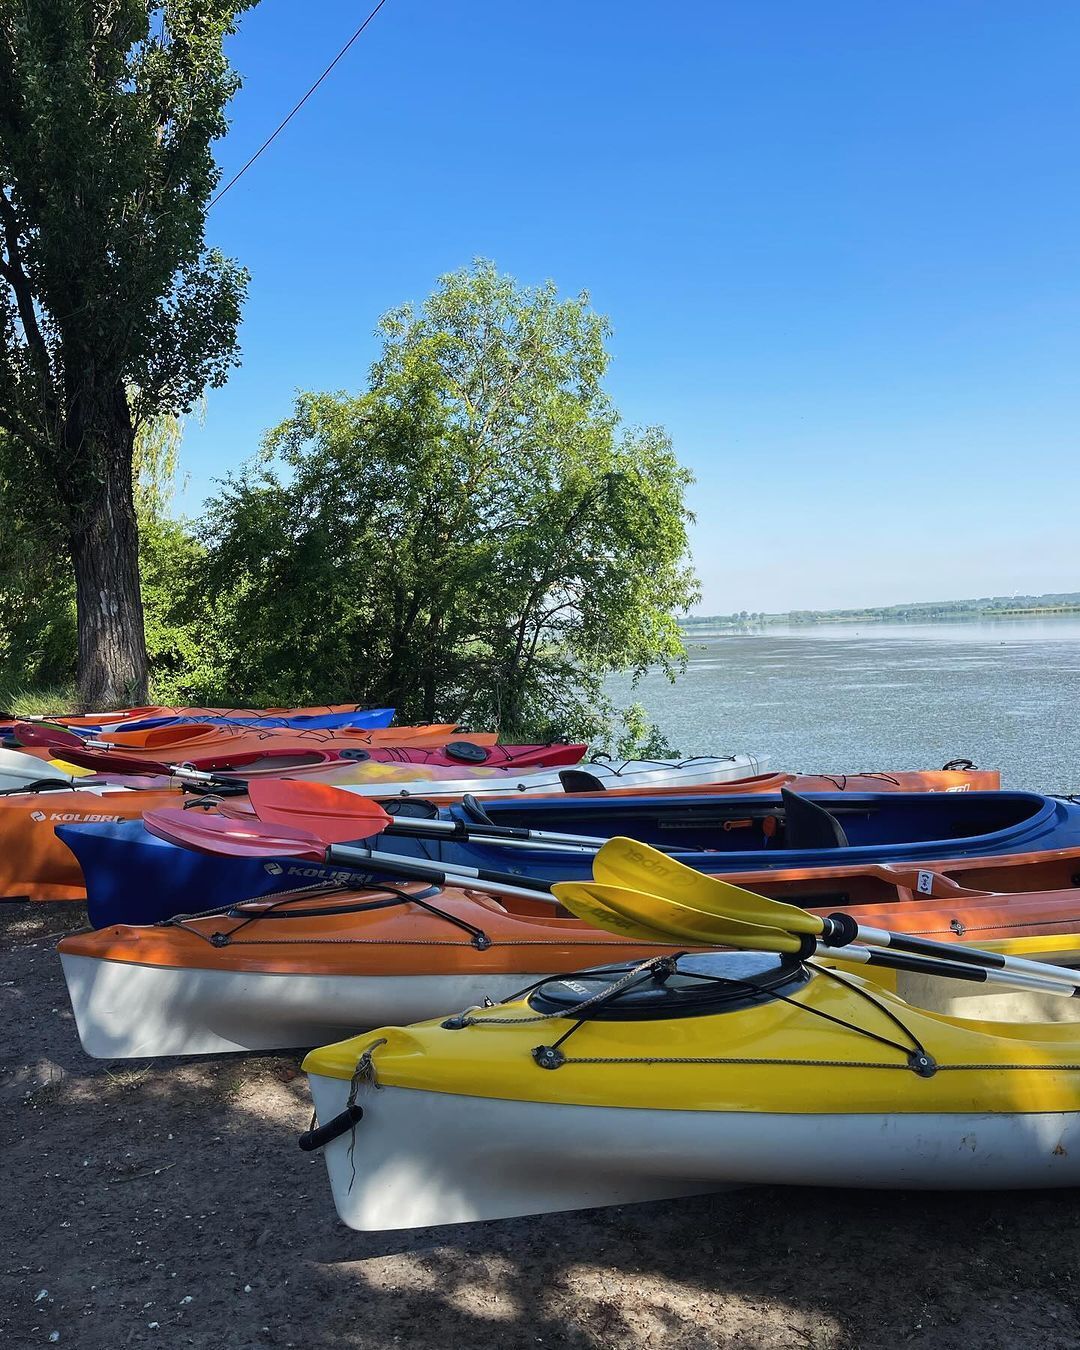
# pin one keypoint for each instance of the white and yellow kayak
(634, 1083)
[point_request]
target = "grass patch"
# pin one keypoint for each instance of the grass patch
(127, 1080)
(56, 700)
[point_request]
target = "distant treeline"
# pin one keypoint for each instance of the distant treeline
(993, 606)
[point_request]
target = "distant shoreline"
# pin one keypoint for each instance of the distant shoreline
(1026, 607)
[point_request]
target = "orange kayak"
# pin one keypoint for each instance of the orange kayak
(36, 865)
(312, 967)
(330, 965)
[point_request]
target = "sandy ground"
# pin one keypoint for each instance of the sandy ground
(167, 1204)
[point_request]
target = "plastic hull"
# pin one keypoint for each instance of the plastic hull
(127, 1011)
(133, 877)
(422, 1158)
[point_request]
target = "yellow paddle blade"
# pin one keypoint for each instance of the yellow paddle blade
(585, 901)
(625, 862)
(694, 924)
(72, 770)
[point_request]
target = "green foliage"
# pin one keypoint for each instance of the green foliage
(474, 537)
(37, 611)
(108, 109)
(113, 311)
(170, 558)
(37, 591)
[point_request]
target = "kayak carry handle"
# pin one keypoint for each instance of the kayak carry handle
(322, 1135)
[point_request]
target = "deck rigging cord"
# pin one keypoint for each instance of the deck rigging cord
(286, 120)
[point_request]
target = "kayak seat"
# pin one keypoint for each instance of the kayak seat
(474, 811)
(580, 780)
(808, 825)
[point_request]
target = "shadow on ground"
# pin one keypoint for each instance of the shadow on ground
(167, 1205)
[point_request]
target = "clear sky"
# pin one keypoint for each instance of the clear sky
(839, 244)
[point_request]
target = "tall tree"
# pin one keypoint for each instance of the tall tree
(112, 308)
(474, 537)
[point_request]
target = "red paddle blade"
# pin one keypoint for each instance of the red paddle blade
(235, 808)
(52, 738)
(104, 761)
(232, 838)
(331, 814)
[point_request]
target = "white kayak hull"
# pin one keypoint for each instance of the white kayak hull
(19, 770)
(126, 1011)
(641, 775)
(423, 1158)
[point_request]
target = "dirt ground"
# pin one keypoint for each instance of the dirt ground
(166, 1204)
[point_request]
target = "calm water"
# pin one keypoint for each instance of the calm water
(905, 696)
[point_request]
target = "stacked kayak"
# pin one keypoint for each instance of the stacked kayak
(36, 864)
(219, 747)
(740, 833)
(131, 876)
(323, 964)
(633, 1083)
(316, 967)
(321, 717)
(358, 719)
(245, 751)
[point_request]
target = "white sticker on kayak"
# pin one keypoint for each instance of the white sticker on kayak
(925, 884)
(75, 817)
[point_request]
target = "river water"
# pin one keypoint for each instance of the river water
(883, 696)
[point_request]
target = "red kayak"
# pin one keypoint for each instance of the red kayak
(246, 750)
(466, 754)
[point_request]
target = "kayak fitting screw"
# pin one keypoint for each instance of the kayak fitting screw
(548, 1057)
(922, 1064)
(219, 939)
(456, 1023)
(481, 942)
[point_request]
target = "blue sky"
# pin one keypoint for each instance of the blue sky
(838, 243)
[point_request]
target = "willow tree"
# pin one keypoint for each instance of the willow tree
(475, 536)
(112, 308)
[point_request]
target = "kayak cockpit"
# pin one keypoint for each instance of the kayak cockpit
(788, 823)
(701, 984)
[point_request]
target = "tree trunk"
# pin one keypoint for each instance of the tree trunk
(105, 554)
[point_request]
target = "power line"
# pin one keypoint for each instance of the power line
(285, 122)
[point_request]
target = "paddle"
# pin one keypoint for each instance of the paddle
(645, 912)
(587, 901)
(337, 816)
(698, 897)
(98, 755)
(32, 770)
(677, 921)
(248, 838)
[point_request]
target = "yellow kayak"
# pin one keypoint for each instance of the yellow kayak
(639, 1082)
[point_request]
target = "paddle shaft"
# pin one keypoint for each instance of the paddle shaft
(440, 874)
(496, 834)
(938, 966)
(970, 956)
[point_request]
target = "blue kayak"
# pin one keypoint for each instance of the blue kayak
(133, 877)
(369, 719)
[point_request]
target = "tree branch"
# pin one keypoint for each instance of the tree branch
(14, 273)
